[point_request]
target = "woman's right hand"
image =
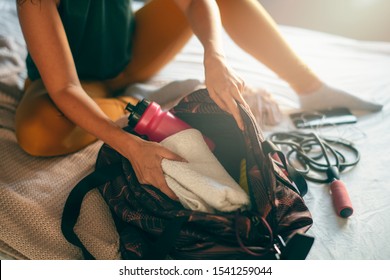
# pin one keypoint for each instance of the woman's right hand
(145, 158)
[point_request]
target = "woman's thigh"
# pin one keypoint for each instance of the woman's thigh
(43, 130)
(161, 32)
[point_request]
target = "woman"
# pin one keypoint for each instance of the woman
(83, 51)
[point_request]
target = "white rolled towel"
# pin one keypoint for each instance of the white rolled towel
(202, 183)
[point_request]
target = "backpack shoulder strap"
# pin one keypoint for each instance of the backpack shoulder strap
(74, 201)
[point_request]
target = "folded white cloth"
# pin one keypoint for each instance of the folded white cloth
(202, 183)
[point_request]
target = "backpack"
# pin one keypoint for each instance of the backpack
(153, 226)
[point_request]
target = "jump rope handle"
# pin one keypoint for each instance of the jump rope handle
(340, 197)
(341, 200)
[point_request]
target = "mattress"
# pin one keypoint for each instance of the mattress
(33, 190)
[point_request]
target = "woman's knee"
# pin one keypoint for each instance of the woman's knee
(38, 126)
(45, 134)
(162, 30)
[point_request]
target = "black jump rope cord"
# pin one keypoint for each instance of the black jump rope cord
(320, 160)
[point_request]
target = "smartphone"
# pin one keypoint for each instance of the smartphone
(334, 116)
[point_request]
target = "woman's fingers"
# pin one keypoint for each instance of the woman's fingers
(146, 162)
(225, 87)
(156, 178)
(163, 186)
(228, 101)
(218, 100)
(167, 154)
(237, 95)
(161, 183)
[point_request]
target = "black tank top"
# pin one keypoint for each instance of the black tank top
(99, 33)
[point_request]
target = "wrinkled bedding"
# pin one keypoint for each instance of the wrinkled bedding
(33, 190)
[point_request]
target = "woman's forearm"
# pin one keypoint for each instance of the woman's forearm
(84, 112)
(204, 18)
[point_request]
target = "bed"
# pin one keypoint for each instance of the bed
(33, 190)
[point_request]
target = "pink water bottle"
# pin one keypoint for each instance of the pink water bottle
(147, 118)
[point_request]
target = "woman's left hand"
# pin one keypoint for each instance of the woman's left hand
(224, 86)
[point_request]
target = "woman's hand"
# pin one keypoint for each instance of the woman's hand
(145, 158)
(224, 86)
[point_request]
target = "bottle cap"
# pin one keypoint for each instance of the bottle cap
(136, 111)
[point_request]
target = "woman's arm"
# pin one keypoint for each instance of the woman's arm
(223, 84)
(47, 43)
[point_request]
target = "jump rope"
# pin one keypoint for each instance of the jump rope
(320, 159)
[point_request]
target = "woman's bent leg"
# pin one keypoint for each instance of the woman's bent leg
(253, 29)
(161, 32)
(42, 130)
(250, 26)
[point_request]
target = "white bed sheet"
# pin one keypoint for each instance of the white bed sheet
(362, 68)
